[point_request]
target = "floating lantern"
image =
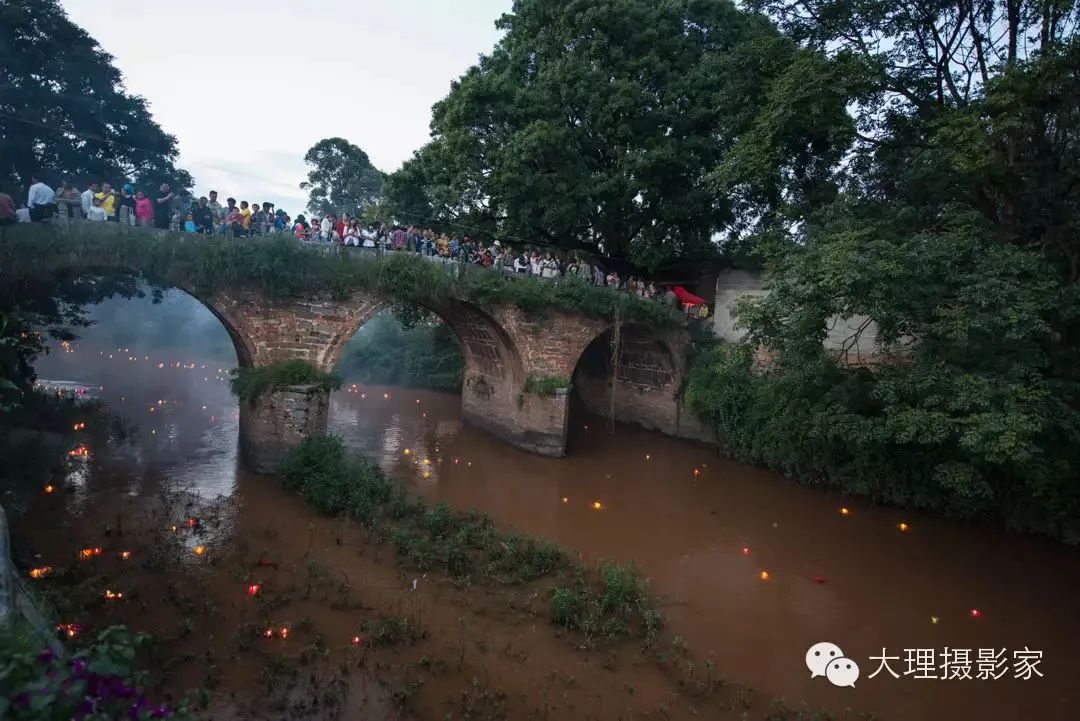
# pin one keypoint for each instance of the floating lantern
(697, 472)
(586, 427)
(49, 488)
(975, 613)
(192, 522)
(418, 400)
(427, 461)
(160, 365)
(934, 620)
(113, 595)
(565, 499)
(88, 553)
(469, 464)
(283, 632)
(385, 395)
(746, 550)
(269, 633)
(253, 589)
(125, 555)
(648, 457)
(597, 505)
(70, 630)
(363, 396)
(764, 575)
(199, 550)
(406, 451)
(844, 511)
(902, 527)
(355, 640)
(41, 572)
(426, 474)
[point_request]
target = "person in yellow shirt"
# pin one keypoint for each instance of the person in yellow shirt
(108, 201)
(245, 212)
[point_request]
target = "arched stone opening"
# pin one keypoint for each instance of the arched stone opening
(634, 379)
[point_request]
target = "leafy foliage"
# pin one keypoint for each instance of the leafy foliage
(342, 178)
(426, 355)
(280, 267)
(596, 125)
(63, 107)
(250, 383)
(546, 385)
(97, 682)
(968, 274)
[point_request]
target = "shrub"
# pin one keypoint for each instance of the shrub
(250, 383)
(546, 385)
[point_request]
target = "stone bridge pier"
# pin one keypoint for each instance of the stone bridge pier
(503, 349)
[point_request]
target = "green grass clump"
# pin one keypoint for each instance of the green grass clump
(608, 604)
(546, 385)
(250, 383)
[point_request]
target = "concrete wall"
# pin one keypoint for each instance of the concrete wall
(841, 332)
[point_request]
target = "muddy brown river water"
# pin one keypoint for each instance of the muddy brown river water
(749, 569)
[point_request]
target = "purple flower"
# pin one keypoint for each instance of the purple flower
(160, 712)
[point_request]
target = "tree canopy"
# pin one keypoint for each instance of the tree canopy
(342, 178)
(957, 231)
(64, 110)
(639, 129)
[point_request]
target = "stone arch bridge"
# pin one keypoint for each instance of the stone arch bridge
(506, 350)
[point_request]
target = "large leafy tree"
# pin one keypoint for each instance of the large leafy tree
(958, 234)
(64, 109)
(625, 126)
(341, 179)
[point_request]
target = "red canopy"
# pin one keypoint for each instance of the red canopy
(686, 297)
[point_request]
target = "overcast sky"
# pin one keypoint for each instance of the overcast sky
(247, 86)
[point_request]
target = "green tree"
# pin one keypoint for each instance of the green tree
(959, 234)
(342, 178)
(64, 109)
(602, 125)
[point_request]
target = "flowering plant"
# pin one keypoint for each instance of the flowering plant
(97, 683)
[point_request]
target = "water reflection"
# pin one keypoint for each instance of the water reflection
(750, 569)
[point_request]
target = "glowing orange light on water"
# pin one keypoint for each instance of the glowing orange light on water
(764, 575)
(269, 633)
(113, 595)
(648, 457)
(356, 640)
(49, 488)
(125, 555)
(284, 632)
(426, 474)
(903, 527)
(697, 472)
(71, 630)
(79, 452)
(597, 505)
(746, 550)
(844, 511)
(406, 451)
(88, 553)
(253, 589)
(565, 499)
(427, 461)
(41, 572)
(975, 613)
(199, 550)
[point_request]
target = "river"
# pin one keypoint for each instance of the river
(751, 570)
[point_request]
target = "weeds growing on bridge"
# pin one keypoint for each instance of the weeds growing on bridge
(250, 383)
(607, 605)
(547, 385)
(281, 267)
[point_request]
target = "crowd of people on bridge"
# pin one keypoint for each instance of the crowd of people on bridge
(167, 209)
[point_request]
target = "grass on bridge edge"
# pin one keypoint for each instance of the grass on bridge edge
(283, 267)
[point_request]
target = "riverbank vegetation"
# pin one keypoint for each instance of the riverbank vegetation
(250, 383)
(384, 352)
(607, 603)
(958, 236)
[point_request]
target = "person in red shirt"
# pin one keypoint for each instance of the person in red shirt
(339, 228)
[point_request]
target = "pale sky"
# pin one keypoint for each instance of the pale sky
(247, 86)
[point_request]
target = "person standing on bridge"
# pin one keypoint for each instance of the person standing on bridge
(88, 199)
(217, 213)
(163, 207)
(144, 210)
(41, 200)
